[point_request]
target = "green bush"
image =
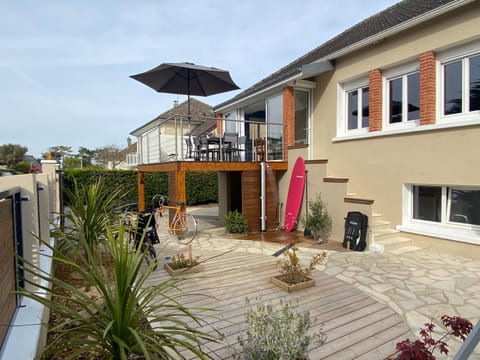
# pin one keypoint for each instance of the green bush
(202, 187)
(278, 333)
(21, 167)
(236, 223)
(111, 179)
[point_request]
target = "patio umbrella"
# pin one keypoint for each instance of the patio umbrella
(187, 79)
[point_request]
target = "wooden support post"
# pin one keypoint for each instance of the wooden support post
(177, 189)
(141, 190)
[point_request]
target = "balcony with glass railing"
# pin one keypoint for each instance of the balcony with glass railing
(181, 138)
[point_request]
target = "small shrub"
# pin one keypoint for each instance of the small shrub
(290, 269)
(279, 333)
(423, 349)
(236, 223)
(318, 221)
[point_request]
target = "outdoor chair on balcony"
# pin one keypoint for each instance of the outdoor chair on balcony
(260, 149)
(205, 152)
(229, 145)
(191, 151)
(239, 148)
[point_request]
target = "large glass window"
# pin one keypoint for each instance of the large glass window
(475, 83)
(453, 88)
(358, 108)
(231, 123)
(443, 204)
(427, 203)
(404, 98)
(275, 128)
(461, 85)
(302, 106)
(464, 206)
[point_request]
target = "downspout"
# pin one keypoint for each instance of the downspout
(263, 218)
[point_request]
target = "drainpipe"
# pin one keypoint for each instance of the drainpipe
(263, 199)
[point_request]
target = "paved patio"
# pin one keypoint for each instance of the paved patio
(366, 301)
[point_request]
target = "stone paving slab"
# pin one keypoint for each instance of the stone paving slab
(416, 283)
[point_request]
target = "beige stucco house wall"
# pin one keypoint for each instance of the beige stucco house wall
(380, 163)
(375, 170)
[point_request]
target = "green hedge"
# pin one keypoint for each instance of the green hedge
(202, 187)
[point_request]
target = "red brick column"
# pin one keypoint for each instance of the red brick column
(427, 88)
(288, 118)
(375, 100)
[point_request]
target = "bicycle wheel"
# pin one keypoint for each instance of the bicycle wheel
(149, 253)
(185, 228)
(162, 227)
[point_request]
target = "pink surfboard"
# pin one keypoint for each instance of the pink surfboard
(295, 194)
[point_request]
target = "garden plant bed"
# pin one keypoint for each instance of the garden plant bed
(291, 287)
(66, 274)
(181, 271)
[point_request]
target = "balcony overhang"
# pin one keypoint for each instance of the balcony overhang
(316, 68)
(306, 71)
(186, 166)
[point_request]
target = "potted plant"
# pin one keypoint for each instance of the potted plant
(236, 222)
(278, 331)
(181, 263)
(292, 275)
(318, 220)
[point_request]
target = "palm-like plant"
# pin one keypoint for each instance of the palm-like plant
(116, 327)
(91, 209)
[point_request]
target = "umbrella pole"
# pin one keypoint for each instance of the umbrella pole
(189, 122)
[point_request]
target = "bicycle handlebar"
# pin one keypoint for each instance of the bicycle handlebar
(162, 200)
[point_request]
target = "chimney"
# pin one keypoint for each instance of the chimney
(175, 103)
(129, 141)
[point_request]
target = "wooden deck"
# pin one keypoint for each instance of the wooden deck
(356, 325)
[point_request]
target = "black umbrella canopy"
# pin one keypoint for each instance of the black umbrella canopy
(187, 79)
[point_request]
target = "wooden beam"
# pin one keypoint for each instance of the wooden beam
(210, 166)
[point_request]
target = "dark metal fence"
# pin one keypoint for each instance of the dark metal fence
(11, 266)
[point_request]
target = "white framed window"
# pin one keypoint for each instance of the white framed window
(401, 93)
(459, 74)
(230, 124)
(353, 107)
(302, 116)
(451, 212)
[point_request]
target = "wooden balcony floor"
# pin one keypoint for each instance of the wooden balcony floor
(177, 166)
(357, 326)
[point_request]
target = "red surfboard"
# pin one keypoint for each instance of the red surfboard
(295, 194)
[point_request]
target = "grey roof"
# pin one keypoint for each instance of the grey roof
(393, 16)
(199, 112)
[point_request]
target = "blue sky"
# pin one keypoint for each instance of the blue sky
(65, 65)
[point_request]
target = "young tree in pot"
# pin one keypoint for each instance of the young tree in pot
(318, 221)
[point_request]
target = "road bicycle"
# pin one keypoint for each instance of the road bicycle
(142, 232)
(172, 220)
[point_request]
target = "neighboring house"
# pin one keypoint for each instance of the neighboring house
(387, 116)
(130, 156)
(165, 137)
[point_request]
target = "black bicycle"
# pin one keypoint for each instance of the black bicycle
(142, 233)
